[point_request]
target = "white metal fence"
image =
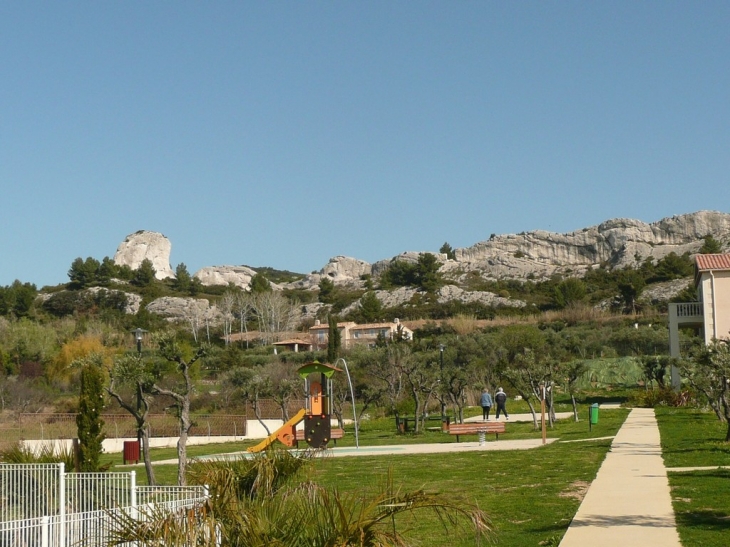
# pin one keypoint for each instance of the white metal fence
(42, 506)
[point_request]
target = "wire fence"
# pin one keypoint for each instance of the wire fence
(53, 426)
(121, 426)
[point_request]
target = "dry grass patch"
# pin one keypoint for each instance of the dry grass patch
(577, 490)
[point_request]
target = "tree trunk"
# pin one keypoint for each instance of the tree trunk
(140, 415)
(417, 408)
(145, 438)
(575, 407)
(257, 413)
(182, 442)
(532, 410)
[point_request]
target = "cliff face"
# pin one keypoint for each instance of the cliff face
(536, 255)
(540, 254)
(142, 245)
(617, 242)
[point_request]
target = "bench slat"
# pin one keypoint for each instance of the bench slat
(477, 428)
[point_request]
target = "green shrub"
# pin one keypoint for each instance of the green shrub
(19, 453)
(658, 397)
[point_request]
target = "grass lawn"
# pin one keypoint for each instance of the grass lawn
(701, 499)
(531, 495)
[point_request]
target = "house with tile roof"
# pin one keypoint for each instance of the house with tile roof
(710, 314)
(352, 334)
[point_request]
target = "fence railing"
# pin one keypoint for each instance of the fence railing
(41, 505)
(47, 426)
(689, 309)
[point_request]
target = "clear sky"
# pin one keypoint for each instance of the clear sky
(283, 133)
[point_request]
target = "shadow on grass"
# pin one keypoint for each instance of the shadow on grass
(707, 520)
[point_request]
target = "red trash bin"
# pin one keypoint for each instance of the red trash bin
(131, 451)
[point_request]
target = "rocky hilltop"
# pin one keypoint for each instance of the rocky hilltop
(540, 254)
(534, 255)
(616, 243)
(142, 245)
(529, 255)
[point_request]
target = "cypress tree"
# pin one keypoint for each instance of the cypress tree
(88, 420)
(334, 340)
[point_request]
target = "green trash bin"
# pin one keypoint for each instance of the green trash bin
(593, 413)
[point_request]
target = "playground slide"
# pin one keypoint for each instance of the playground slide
(285, 433)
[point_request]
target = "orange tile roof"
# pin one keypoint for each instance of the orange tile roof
(713, 262)
(293, 341)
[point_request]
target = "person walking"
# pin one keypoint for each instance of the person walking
(486, 402)
(501, 399)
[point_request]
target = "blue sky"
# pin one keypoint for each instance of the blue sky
(285, 133)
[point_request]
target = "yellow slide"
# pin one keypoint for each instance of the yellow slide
(286, 433)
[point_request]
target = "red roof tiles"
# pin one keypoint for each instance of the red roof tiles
(713, 262)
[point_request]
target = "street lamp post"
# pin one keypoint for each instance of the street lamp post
(441, 380)
(352, 395)
(138, 338)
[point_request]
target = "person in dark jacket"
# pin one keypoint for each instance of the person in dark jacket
(501, 399)
(486, 402)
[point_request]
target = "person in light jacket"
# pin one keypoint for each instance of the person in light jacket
(501, 399)
(486, 402)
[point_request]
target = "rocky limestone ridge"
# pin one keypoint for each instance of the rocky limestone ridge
(239, 276)
(540, 254)
(344, 270)
(447, 293)
(143, 245)
(530, 255)
(617, 242)
(193, 310)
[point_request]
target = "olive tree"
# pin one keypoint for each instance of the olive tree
(181, 392)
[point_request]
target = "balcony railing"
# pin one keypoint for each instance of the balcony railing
(689, 309)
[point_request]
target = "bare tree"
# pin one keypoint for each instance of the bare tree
(226, 305)
(244, 310)
(275, 314)
(193, 316)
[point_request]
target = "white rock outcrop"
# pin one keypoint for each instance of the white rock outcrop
(142, 245)
(240, 276)
(449, 293)
(616, 242)
(410, 257)
(193, 310)
(343, 268)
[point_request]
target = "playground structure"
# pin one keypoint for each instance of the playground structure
(317, 414)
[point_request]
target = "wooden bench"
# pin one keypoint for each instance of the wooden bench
(404, 424)
(477, 428)
(334, 435)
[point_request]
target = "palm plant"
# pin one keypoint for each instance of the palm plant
(261, 501)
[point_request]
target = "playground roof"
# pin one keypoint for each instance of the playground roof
(315, 366)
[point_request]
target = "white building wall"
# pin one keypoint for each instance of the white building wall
(715, 295)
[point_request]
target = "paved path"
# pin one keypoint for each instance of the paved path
(629, 504)
(526, 417)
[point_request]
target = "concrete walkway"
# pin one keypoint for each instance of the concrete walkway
(629, 503)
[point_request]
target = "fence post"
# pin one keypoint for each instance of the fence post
(44, 530)
(62, 505)
(133, 494)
